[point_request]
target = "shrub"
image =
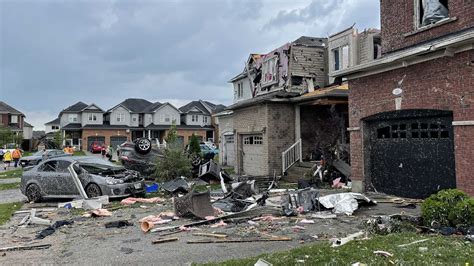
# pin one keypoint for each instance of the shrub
(448, 207)
(194, 147)
(174, 164)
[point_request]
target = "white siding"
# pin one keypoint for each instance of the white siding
(136, 118)
(48, 128)
(247, 90)
(65, 118)
(116, 112)
(99, 118)
(194, 123)
(27, 132)
(164, 113)
(148, 119)
(227, 151)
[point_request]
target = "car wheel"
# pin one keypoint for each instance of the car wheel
(143, 145)
(33, 193)
(93, 190)
(196, 160)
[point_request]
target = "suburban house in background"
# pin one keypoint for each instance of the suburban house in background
(51, 127)
(14, 120)
(411, 111)
(82, 124)
(285, 107)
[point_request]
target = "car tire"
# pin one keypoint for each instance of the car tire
(196, 160)
(143, 145)
(93, 190)
(33, 193)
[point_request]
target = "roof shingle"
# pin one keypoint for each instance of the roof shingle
(5, 108)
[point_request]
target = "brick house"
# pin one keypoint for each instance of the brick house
(285, 110)
(82, 124)
(412, 110)
(14, 120)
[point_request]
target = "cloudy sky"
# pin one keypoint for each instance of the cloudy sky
(55, 53)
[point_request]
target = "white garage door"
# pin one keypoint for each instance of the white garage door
(252, 160)
(229, 150)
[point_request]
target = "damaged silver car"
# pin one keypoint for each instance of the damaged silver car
(51, 179)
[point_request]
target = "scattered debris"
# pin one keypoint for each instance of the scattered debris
(98, 213)
(26, 247)
(51, 229)
(177, 185)
(194, 204)
(164, 240)
(211, 171)
(306, 221)
(262, 262)
(344, 202)
(383, 253)
(219, 224)
(342, 241)
(303, 200)
(118, 224)
(324, 215)
(210, 235)
(238, 240)
(151, 188)
(413, 243)
(423, 249)
(130, 201)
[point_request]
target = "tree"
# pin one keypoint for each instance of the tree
(58, 139)
(172, 136)
(194, 147)
(6, 135)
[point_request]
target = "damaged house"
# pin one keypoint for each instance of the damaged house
(411, 111)
(285, 110)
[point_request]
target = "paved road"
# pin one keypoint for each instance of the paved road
(11, 195)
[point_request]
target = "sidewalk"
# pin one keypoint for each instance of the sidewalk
(10, 180)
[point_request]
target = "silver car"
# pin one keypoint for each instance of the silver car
(52, 179)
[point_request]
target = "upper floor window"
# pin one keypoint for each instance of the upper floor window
(167, 118)
(205, 119)
(341, 57)
(92, 117)
(54, 127)
(14, 119)
(429, 12)
(194, 118)
(120, 117)
(240, 90)
(269, 70)
(72, 117)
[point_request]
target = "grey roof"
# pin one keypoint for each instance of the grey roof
(72, 126)
(152, 107)
(310, 41)
(238, 77)
(26, 124)
(77, 107)
(39, 134)
(53, 122)
(5, 108)
(135, 105)
(191, 105)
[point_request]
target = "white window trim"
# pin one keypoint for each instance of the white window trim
(417, 19)
(120, 117)
(265, 69)
(72, 117)
(15, 120)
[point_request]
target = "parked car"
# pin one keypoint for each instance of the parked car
(52, 179)
(96, 146)
(139, 155)
(39, 156)
(207, 151)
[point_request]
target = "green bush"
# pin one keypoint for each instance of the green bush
(194, 147)
(448, 207)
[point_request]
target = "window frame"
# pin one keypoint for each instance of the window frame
(270, 66)
(92, 117)
(418, 17)
(120, 117)
(72, 118)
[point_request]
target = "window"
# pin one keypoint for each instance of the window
(430, 12)
(229, 139)
(92, 117)
(194, 118)
(205, 119)
(240, 90)
(253, 140)
(269, 71)
(335, 53)
(54, 127)
(167, 118)
(72, 117)
(49, 166)
(120, 117)
(341, 57)
(345, 56)
(134, 119)
(415, 130)
(14, 119)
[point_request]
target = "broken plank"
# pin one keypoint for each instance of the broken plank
(26, 247)
(238, 240)
(210, 235)
(164, 240)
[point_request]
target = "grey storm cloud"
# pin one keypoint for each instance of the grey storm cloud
(55, 53)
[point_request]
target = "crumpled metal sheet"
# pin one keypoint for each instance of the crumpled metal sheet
(194, 204)
(176, 185)
(343, 202)
(305, 199)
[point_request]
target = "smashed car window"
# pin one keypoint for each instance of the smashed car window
(62, 166)
(102, 169)
(49, 166)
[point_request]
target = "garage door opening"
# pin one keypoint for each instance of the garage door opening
(98, 139)
(410, 153)
(115, 141)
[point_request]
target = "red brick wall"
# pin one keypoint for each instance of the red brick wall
(446, 84)
(397, 19)
(5, 120)
(187, 133)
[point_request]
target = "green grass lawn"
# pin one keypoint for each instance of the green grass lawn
(27, 153)
(7, 209)
(11, 173)
(9, 186)
(79, 153)
(440, 250)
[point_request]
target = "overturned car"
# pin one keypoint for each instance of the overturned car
(139, 155)
(52, 179)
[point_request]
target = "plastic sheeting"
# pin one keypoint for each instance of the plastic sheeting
(343, 202)
(433, 11)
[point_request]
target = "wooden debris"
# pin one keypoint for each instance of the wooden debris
(164, 240)
(238, 240)
(28, 247)
(412, 243)
(210, 235)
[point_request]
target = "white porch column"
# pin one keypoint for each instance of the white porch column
(64, 137)
(149, 133)
(297, 123)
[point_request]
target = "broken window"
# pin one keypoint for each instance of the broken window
(269, 70)
(431, 11)
(335, 53)
(296, 81)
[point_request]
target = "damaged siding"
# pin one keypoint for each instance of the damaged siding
(307, 63)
